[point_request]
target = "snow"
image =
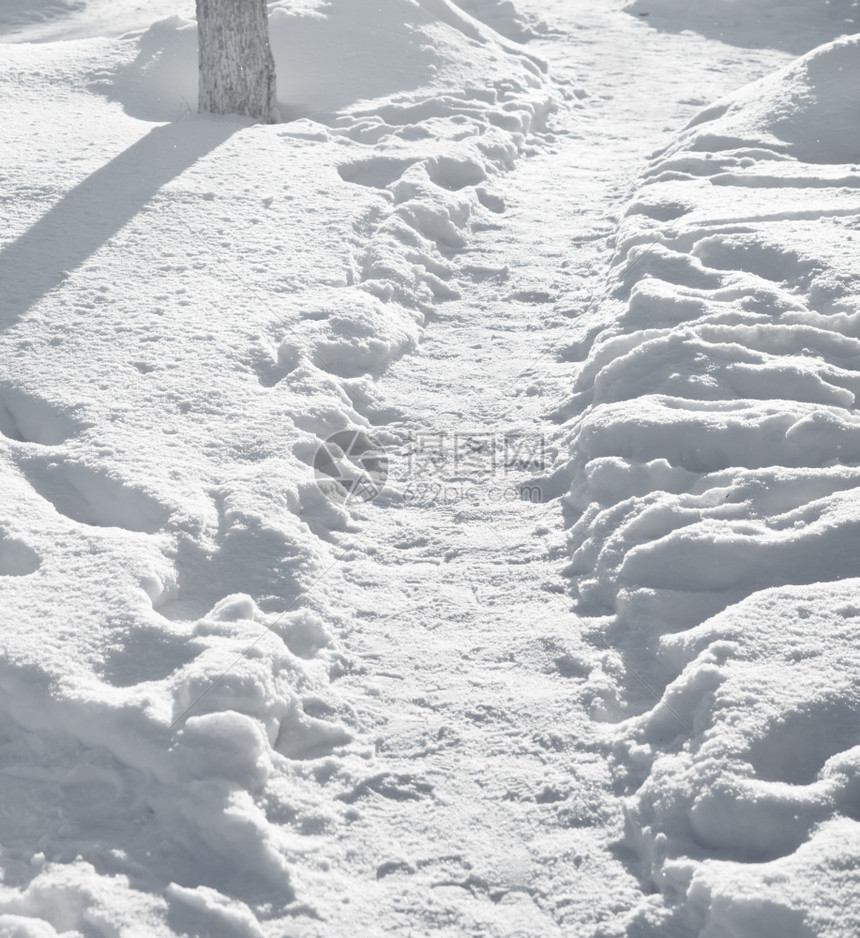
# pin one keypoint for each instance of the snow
(793, 25)
(714, 468)
(435, 512)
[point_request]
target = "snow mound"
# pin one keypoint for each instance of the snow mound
(810, 110)
(715, 443)
(503, 17)
(426, 105)
(765, 792)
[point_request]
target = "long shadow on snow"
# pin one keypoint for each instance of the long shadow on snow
(94, 211)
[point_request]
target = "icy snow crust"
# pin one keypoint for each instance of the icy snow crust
(715, 461)
(155, 717)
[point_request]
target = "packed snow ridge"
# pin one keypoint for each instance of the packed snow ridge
(715, 449)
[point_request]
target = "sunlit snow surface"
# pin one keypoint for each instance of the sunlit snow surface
(162, 653)
(190, 307)
(715, 463)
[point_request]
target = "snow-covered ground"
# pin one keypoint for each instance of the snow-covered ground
(435, 513)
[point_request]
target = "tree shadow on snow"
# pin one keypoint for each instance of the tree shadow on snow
(95, 210)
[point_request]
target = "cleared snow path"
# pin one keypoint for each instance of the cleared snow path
(483, 803)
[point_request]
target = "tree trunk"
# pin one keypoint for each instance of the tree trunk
(237, 71)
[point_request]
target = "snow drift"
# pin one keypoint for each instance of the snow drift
(808, 111)
(190, 308)
(715, 444)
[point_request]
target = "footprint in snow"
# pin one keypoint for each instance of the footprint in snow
(376, 173)
(16, 558)
(27, 419)
(94, 497)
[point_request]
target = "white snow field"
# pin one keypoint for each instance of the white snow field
(435, 513)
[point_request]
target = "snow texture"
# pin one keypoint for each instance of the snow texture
(168, 641)
(794, 25)
(233, 706)
(714, 469)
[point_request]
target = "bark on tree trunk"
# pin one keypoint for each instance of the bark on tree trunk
(237, 71)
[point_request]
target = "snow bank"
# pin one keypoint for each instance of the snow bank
(808, 111)
(190, 308)
(749, 811)
(332, 59)
(504, 18)
(715, 443)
